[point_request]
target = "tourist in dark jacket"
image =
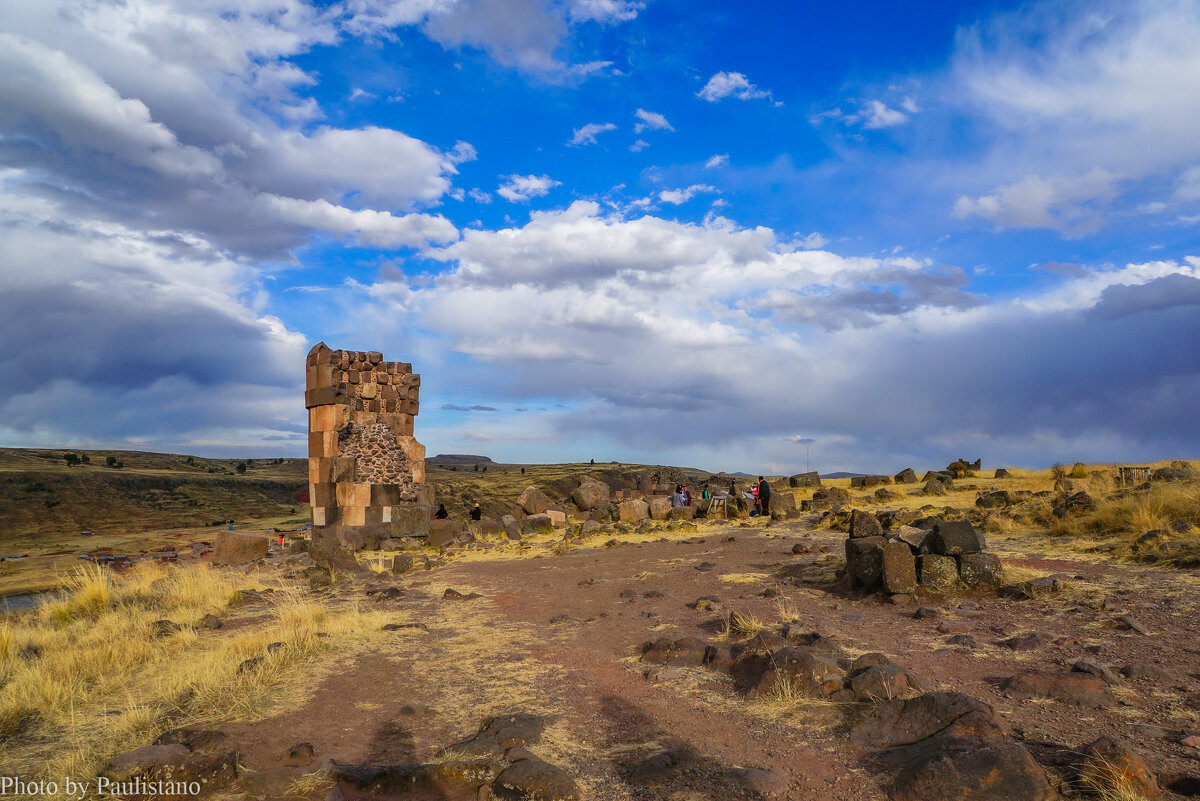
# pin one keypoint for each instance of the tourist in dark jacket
(764, 498)
(476, 513)
(442, 514)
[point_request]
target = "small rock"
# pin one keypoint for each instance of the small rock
(532, 779)
(454, 595)
(1132, 623)
(1111, 766)
(1096, 669)
(927, 613)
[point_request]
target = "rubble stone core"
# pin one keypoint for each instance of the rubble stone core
(366, 471)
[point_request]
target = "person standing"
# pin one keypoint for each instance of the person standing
(678, 498)
(442, 514)
(764, 498)
(476, 513)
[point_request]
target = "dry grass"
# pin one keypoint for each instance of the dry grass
(741, 624)
(87, 676)
(743, 578)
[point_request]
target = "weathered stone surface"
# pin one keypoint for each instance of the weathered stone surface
(807, 671)
(955, 539)
(864, 524)
(533, 500)
(1079, 689)
(532, 779)
(980, 570)
(933, 487)
(782, 505)
(864, 561)
(458, 780)
(660, 508)
(401, 563)
(540, 523)
(175, 762)
(899, 568)
(996, 500)
(1111, 768)
(236, 547)
(914, 537)
(591, 494)
(500, 733)
(954, 769)
(633, 511)
(906, 476)
(907, 721)
(1001, 473)
(938, 573)
(685, 652)
(811, 479)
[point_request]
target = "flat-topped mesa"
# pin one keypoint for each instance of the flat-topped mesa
(366, 472)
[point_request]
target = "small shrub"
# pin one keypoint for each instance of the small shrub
(1057, 471)
(1079, 470)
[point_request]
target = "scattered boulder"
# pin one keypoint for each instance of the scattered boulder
(864, 524)
(906, 476)
(500, 733)
(532, 779)
(452, 594)
(1111, 768)
(633, 511)
(660, 508)
(996, 499)
(401, 564)
(969, 769)
(807, 671)
(538, 523)
(933, 487)
(533, 501)
(811, 479)
(237, 547)
(591, 494)
(908, 721)
(458, 780)
(1002, 473)
(1078, 689)
(685, 652)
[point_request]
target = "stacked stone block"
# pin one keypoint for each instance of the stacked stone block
(935, 556)
(366, 471)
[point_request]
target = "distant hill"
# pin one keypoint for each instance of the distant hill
(457, 458)
(842, 474)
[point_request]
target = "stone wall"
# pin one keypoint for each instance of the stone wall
(366, 471)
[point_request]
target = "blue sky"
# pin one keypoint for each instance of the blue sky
(651, 231)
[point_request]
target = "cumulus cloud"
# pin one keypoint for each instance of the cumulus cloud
(1073, 205)
(587, 134)
(719, 160)
(650, 121)
(677, 197)
(607, 11)
(730, 84)
(522, 188)
(653, 331)
(639, 146)
(876, 114)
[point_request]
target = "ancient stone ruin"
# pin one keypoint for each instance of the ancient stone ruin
(366, 471)
(933, 555)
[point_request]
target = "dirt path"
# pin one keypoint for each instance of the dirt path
(501, 653)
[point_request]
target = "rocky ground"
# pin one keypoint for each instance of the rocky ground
(611, 670)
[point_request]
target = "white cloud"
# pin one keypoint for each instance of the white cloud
(650, 121)
(876, 114)
(719, 160)
(730, 84)
(521, 188)
(606, 11)
(368, 226)
(1072, 205)
(479, 196)
(679, 196)
(639, 146)
(587, 134)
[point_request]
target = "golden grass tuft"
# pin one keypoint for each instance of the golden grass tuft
(741, 624)
(743, 578)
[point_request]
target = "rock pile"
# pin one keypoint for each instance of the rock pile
(933, 555)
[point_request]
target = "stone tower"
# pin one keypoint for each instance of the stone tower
(366, 472)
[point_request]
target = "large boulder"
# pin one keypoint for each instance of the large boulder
(908, 721)
(533, 501)
(906, 476)
(864, 561)
(899, 568)
(933, 487)
(685, 652)
(660, 508)
(1111, 768)
(864, 524)
(812, 479)
(782, 505)
(955, 539)
(532, 779)
(969, 769)
(591, 494)
(238, 547)
(807, 671)
(542, 523)
(1079, 689)
(996, 499)
(633, 511)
